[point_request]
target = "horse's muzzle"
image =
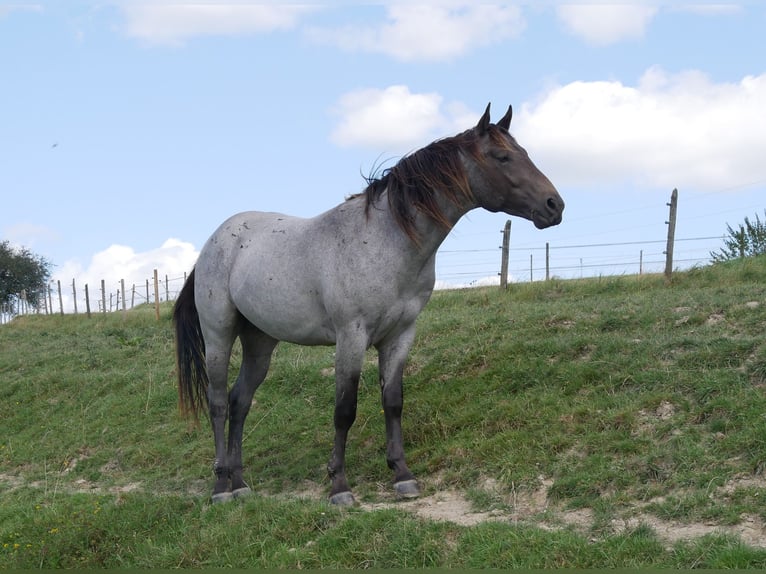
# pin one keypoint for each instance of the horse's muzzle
(550, 214)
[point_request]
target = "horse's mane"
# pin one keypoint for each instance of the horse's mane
(414, 181)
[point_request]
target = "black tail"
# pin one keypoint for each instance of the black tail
(190, 352)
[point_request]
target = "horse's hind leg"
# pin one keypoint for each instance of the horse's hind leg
(257, 348)
(217, 356)
(392, 356)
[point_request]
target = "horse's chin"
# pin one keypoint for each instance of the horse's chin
(542, 222)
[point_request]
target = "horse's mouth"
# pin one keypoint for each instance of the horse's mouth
(541, 221)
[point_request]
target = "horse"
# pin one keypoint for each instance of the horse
(356, 277)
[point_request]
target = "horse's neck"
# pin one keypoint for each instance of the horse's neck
(431, 234)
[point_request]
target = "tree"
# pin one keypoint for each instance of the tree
(22, 275)
(747, 240)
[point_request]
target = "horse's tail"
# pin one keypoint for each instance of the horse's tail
(190, 352)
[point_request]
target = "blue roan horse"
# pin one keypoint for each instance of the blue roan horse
(356, 276)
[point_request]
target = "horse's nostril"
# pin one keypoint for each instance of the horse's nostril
(552, 204)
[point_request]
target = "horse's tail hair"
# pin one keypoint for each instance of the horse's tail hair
(190, 352)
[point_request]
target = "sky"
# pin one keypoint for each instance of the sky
(130, 130)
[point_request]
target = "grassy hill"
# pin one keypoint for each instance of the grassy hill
(609, 422)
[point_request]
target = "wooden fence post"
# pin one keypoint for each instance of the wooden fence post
(103, 296)
(504, 259)
(61, 301)
(74, 296)
(547, 261)
(156, 296)
(671, 223)
(87, 301)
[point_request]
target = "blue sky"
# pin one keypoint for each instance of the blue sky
(130, 130)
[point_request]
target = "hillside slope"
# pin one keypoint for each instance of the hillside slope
(601, 410)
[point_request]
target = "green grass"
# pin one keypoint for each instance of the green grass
(630, 398)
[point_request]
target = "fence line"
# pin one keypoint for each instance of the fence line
(151, 291)
(529, 263)
(524, 264)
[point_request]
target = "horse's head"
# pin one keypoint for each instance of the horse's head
(503, 178)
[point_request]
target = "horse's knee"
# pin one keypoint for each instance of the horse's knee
(393, 400)
(345, 415)
(345, 401)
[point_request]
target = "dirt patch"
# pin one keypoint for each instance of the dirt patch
(715, 318)
(11, 481)
(449, 506)
(521, 506)
(751, 529)
(532, 507)
(647, 420)
(54, 483)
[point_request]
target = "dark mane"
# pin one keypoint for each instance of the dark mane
(414, 182)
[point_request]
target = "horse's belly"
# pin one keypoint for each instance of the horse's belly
(301, 334)
(309, 317)
(286, 316)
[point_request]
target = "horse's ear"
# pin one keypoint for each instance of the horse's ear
(505, 121)
(483, 124)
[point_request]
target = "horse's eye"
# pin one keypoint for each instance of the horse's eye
(502, 157)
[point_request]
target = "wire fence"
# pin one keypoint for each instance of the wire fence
(456, 268)
(105, 297)
(547, 261)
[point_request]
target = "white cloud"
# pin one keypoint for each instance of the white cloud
(428, 32)
(670, 130)
(173, 23)
(396, 120)
(603, 24)
(119, 262)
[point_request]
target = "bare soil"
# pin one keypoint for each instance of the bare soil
(530, 507)
(534, 508)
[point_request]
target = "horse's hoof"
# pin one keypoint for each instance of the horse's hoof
(221, 497)
(407, 488)
(342, 499)
(241, 492)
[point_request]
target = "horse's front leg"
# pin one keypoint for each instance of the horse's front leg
(392, 356)
(349, 357)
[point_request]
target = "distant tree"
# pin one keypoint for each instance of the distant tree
(22, 274)
(747, 240)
